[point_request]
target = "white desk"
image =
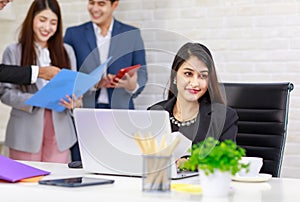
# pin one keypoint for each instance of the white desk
(129, 189)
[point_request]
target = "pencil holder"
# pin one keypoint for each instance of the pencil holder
(156, 173)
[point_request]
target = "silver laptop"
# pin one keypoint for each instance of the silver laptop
(106, 142)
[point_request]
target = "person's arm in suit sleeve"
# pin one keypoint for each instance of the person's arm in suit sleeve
(140, 58)
(12, 95)
(24, 75)
(15, 74)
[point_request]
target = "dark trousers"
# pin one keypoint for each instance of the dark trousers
(75, 153)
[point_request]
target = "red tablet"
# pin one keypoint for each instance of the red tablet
(130, 70)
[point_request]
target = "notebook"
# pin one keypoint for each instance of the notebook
(106, 143)
(14, 171)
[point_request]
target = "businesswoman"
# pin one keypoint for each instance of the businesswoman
(194, 101)
(35, 133)
(26, 75)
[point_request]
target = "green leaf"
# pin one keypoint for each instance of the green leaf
(211, 154)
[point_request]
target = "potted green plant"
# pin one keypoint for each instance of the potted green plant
(216, 162)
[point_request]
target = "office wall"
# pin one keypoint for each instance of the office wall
(251, 41)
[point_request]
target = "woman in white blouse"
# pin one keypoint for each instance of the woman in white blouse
(34, 133)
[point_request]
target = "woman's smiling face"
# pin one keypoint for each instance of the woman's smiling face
(192, 80)
(44, 26)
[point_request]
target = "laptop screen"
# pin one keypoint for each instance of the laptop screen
(106, 138)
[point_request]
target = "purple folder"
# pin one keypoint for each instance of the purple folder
(13, 171)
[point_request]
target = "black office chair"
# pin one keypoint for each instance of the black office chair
(263, 116)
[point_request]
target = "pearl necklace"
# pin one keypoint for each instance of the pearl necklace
(184, 123)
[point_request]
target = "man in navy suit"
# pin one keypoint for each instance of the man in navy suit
(97, 40)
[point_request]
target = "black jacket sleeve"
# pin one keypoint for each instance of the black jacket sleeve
(15, 74)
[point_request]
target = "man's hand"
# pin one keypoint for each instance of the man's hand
(104, 82)
(128, 82)
(48, 72)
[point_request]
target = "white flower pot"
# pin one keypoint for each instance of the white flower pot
(216, 184)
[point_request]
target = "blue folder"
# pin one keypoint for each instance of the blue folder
(66, 82)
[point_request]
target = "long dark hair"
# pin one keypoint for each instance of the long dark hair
(58, 54)
(203, 54)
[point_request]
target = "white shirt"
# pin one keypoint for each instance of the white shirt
(103, 44)
(43, 59)
(34, 73)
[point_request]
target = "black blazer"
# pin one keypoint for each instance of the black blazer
(15, 74)
(215, 120)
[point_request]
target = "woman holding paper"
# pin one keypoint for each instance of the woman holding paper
(194, 101)
(34, 133)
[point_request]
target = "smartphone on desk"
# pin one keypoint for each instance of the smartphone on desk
(130, 70)
(76, 181)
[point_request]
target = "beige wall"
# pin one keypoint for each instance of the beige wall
(256, 41)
